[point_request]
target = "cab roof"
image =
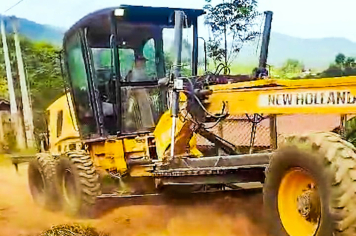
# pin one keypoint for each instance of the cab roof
(99, 21)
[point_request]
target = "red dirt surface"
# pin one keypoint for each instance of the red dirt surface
(238, 214)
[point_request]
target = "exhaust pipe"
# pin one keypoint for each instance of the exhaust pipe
(178, 36)
(262, 71)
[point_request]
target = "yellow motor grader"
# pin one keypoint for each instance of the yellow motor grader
(114, 124)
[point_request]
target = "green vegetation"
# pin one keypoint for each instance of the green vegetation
(102, 59)
(237, 69)
(43, 76)
(233, 19)
(343, 66)
(294, 69)
(291, 69)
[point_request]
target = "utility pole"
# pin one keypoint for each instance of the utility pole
(27, 108)
(15, 116)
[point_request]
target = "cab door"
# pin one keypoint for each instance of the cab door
(79, 77)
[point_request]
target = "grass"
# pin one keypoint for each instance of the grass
(241, 69)
(235, 69)
(247, 69)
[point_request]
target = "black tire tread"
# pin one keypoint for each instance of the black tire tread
(88, 178)
(47, 164)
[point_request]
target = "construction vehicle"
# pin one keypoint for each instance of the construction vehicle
(143, 133)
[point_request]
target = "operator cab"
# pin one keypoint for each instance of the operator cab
(114, 58)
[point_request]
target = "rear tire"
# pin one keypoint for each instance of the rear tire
(79, 184)
(42, 181)
(330, 163)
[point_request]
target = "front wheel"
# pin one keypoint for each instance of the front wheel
(310, 187)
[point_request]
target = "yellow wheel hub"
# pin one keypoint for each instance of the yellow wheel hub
(299, 203)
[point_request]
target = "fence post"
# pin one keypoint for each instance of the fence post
(343, 120)
(273, 131)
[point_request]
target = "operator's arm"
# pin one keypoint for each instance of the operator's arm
(128, 77)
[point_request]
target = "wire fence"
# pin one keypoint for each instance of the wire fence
(238, 130)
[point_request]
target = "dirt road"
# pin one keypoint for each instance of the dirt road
(209, 215)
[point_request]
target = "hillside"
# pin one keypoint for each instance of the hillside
(35, 31)
(315, 53)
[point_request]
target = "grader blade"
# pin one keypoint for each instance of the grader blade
(215, 170)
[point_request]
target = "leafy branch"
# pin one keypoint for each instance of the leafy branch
(235, 19)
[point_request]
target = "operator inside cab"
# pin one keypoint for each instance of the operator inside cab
(138, 73)
(141, 113)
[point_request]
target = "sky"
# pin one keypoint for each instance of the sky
(300, 18)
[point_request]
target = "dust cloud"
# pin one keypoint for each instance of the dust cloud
(238, 214)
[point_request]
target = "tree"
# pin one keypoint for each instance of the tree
(45, 83)
(291, 68)
(340, 59)
(334, 70)
(344, 66)
(349, 62)
(234, 18)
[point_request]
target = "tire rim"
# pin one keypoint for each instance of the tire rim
(68, 187)
(299, 203)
